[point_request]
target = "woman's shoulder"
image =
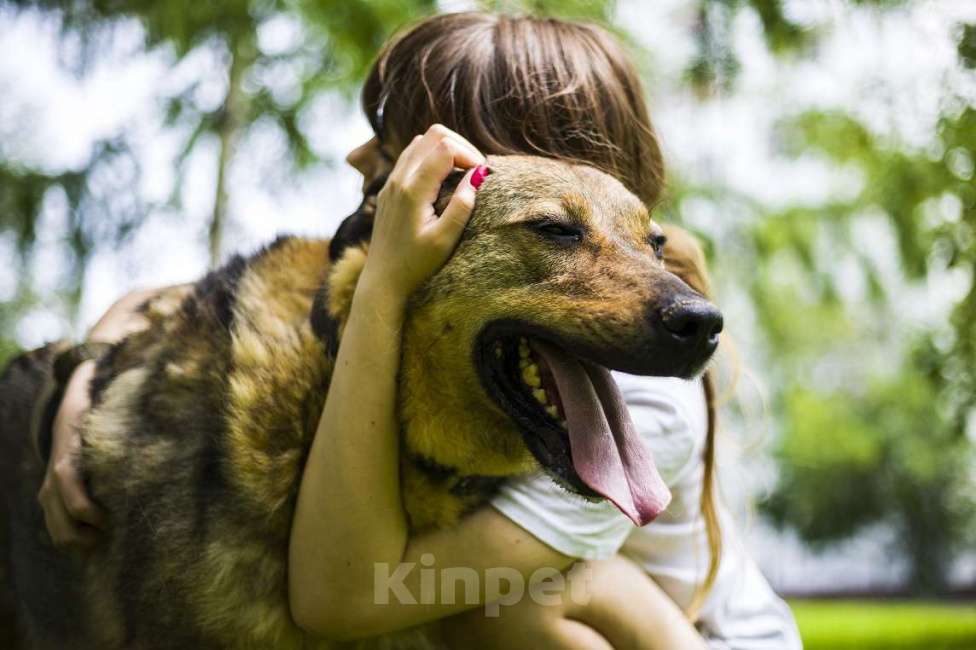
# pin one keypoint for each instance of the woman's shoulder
(684, 398)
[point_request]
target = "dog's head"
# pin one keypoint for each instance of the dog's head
(558, 279)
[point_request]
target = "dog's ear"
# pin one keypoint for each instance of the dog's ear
(447, 190)
(330, 308)
(357, 228)
(354, 231)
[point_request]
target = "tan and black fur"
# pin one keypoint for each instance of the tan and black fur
(201, 424)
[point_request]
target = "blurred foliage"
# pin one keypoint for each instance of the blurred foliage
(593, 10)
(715, 65)
(873, 416)
(10, 313)
(335, 42)
(884, 456)
(889, 449)
(967, 45)
(103, 183)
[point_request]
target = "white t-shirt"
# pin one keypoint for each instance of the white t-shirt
(741, 611)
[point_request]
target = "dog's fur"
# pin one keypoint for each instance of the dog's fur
(201, 424)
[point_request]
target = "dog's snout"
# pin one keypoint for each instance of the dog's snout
(692, 322)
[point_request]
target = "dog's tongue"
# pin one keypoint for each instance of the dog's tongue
(608, 453)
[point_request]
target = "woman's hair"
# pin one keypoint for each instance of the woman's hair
(539, 86)
(519, 85)
(685, 258)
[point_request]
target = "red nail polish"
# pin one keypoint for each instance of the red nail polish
(478, 176)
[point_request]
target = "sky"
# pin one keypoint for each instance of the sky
(888, 68)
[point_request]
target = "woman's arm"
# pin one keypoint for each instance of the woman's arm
(349, 516)
(71, 517)
(617, 606)
(741, 609)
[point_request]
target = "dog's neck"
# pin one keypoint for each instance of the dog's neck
(450, 447)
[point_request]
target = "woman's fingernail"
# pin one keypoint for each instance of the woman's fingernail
(478, 176)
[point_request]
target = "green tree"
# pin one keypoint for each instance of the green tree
(896, 451)
(337, 41)
(885, 455)
(888, 442)
(871, 415)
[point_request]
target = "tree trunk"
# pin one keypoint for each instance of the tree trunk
(232, 121)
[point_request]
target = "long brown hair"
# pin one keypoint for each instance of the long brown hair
(685, 258)
(542, 86)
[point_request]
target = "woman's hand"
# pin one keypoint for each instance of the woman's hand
(409, 242)
(72, 518)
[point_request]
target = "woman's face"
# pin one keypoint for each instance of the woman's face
(372, 160)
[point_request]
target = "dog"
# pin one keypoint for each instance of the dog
(201, 424)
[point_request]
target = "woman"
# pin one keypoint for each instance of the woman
(487, 84)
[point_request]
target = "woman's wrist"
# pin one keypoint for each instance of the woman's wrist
(383, 297)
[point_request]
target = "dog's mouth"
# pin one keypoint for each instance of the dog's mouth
(573, 419)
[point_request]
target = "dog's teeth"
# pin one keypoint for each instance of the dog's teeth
(552, 410)
(530, 375)
(539, 395)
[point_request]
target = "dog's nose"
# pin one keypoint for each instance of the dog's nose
(692, 322)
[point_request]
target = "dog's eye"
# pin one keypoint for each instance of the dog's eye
(560, 232)
(657, 243)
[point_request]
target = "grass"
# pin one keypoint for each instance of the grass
(873, 625)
